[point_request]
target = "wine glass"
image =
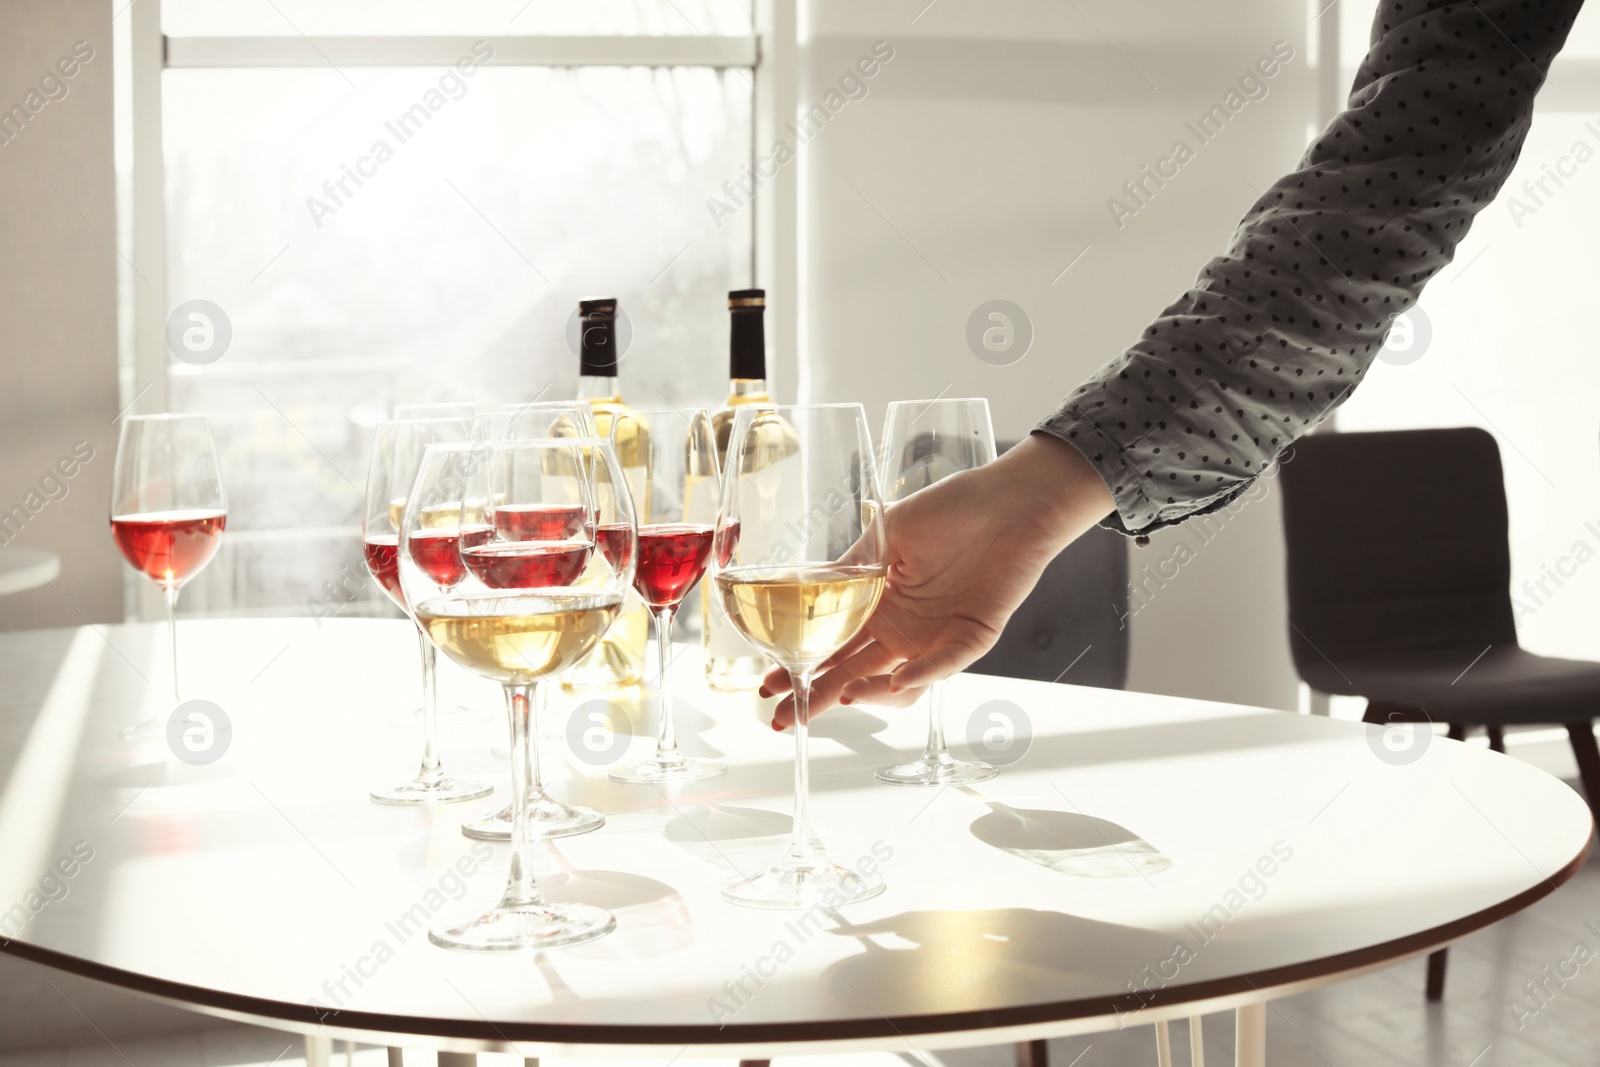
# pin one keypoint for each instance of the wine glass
(397, 450)
(675, 496)
(799, 563)
(539, 418)
(528, 606)
(923, 442)
(167, 513)
(611, 527)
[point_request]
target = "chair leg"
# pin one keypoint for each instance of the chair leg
(1033, 1053)
(1458, 731)
(1497, 739)
(1436, 965)
(1588, 754)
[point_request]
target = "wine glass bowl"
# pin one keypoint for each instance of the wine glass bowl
(515, 619)
(924, 442)
(398, 448)
(675, 485)
(168, 512)
(799, 563)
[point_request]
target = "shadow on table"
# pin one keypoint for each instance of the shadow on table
(1071, 843)
(651, 917)
(736, 839)
(973, 960)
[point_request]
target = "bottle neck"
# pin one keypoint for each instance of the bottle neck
(747, 345)
(599, 387)
(747, 389)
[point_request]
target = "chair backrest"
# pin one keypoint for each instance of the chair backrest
(1396, 548)
(1080, 603)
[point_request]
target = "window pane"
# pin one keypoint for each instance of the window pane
(1512, 351)
(218, 18)
(426, 237)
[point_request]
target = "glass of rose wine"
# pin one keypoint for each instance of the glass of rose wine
(397, 450)
(610, 525)
(167, 513)
(798, 559)
(925, 441)
(528, 606)
(676, 494)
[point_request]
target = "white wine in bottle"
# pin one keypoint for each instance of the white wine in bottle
(618, 659)
(732, 663)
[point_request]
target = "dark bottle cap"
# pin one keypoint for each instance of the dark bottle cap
(747, 338)
(597, 348)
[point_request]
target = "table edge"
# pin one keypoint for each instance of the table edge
(308, 1018)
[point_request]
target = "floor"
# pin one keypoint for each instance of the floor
(1375, 1021)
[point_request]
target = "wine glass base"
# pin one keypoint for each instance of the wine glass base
(546, 818)
(445, 789)
(946, 771)
(801, 886)
(680, 769)
(525, 926)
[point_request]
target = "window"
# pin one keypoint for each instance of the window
(422, 230)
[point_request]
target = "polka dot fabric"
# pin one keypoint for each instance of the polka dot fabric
(1278, 330)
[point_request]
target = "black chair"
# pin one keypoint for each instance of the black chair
(1399, 582)
(1073, 626)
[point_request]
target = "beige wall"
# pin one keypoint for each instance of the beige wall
(977, 167)
(58, 272)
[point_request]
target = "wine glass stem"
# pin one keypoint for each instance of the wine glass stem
(936, 743)
(430, 710)
(667, 737)
(521, 889)
(170, 593)
(800, 847)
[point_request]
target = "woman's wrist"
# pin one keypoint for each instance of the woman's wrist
(1049, 482)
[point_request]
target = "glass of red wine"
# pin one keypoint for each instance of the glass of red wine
(676, 491)
(926, 441)
(397, 452)
(167, 513)
(568, 533)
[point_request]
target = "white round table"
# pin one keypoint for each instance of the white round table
(1146, 858)
(27, 568)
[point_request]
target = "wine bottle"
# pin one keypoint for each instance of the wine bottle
(732, 663)
(619, 657)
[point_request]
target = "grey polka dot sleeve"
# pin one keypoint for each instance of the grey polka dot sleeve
(1279, 329)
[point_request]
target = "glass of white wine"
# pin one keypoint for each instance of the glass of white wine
(926, 441)
(528, 607)
(799, 563)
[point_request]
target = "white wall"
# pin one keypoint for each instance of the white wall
(58, 349)
(979, 166)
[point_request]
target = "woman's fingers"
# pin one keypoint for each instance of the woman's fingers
(828, 686)
(879, 692)
(777, 681)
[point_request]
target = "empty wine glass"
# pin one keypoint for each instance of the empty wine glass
(675, 497)
(799, 562)
(167, 513)
(925, 441)
(528, 605)
(397, 450)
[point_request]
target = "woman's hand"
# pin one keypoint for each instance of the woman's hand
(963, 554)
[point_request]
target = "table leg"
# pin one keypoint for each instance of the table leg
(1197, 1043)
(755, 1063)
(1163, 1045)
(1033, 1053)
(319, 1050)
(1250, 1035)
(397, 1058)
(458, 1059)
